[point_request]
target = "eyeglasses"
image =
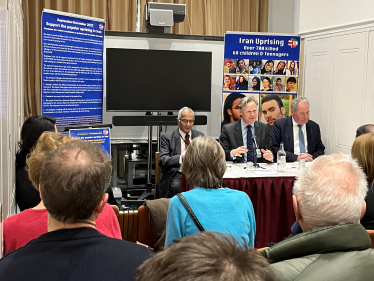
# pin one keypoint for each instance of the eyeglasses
(185, 122)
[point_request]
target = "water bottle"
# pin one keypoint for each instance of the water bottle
(281, 159)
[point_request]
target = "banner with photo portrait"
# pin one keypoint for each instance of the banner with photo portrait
(257, 65)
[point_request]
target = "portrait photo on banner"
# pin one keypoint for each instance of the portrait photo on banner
(266, 83)
(286, 100)
(254, 83)
(229, 82)
(230, 108)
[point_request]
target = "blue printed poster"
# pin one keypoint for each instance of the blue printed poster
(72, 68)
(258, 64)
(96, 135)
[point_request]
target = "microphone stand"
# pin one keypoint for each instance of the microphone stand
(256, 165)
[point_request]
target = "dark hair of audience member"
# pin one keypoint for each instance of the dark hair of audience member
(205, 256)
(228, 104)
(272, 97)
(32, 129)
(204, 163)
(363, 151)
(89, 171)
(364, 129)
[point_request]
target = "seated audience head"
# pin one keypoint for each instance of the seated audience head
(330, 192)
(204, 163)
(300, 110)
(73, 180)
(248, 107)
(33, 127)
(363, 152)
(186, 119)
(47, 142)
(272, 108)
(203, 257)
(231, 110)
(364, 129)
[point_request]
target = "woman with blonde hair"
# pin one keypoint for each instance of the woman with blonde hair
(217, 208)
(363, 152)
(31, 223)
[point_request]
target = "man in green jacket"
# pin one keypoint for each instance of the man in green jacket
(328, 202)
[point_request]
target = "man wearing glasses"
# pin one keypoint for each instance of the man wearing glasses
(172, 150)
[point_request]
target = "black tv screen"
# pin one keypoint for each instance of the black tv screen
(157, 80)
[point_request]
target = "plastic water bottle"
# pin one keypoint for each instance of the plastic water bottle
(281, 159)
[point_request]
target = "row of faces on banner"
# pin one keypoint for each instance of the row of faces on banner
(263, 67)
(253, 83)
(231, 111)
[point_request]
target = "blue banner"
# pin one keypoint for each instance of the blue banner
(258, 65)
(96, 135)
(72, 68)
(259, 47)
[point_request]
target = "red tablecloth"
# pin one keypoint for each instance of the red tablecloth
(272, 202)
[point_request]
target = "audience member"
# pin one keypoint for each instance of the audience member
(328, 202)
(173, 147)
(227, 210)
(26, 195)
(73, 180)
(301, 137)
(237, 137)
(231, 110)
(364, 129)
(205, 256)
(363, 152)
(31, 223)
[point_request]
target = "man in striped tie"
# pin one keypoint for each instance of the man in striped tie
(301, 136)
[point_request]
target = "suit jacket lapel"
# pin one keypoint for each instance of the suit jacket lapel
(177, 142)
(289, 135)
(238, 133)
(309, 135)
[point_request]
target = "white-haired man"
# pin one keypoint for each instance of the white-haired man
(301, 137)
(172, 149)
(328, 202)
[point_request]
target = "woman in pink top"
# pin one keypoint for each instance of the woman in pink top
(31, 223)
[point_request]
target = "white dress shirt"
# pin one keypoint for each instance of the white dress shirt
(296, 145)
(183, 146)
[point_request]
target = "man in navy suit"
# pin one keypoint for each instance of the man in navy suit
(301, 137)
(172, 149)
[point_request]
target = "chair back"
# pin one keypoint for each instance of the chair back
(371, 234)
(145, 235)
(128, 223)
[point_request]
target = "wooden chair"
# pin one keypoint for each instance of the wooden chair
(145, 235)
(128, 223)
(157, 172)
(371, 234)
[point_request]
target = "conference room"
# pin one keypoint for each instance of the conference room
(158, 84)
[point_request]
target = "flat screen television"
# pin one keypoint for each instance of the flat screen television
(158, 80)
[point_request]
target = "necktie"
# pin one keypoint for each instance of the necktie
(251, 151)
(301, 140)
(187, 141)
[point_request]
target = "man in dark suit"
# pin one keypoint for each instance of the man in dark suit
(301, 137)
(172, 149)
(73, 181)
(237, 138)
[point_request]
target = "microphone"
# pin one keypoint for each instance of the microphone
(254, 140)
(258, 151)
